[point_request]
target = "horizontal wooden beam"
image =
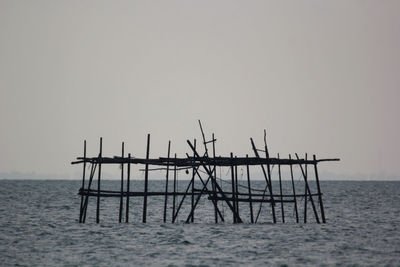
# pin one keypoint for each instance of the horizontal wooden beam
(199, 161)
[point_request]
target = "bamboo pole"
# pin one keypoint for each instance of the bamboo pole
(166, 185)
(210, 193)
(269, 176)
(209, 173)
(121, 200)
(175, 214)
(146, 180)
(280, 189)
(214, 181)
(321, 205)
(269, 187)
(128, 188)
(83, 181)
(309, 192)
(197, 201)
(249, 187)
(174, 196)
(236, 190)
(193, 175)
(233, 190)
(98, 183)
(85, 205)
(305, 190)
(294, 191)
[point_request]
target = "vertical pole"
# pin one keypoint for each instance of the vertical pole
(128, 188)
(86, 202)
(321, 205)
(193, 175)
(308, 190)
(166, 185)
(280, 189)
(174, 195)
(146, 180)
(269, 187)
(214, 181)
(236, 190)
(249, 187)
(233, 189)
(98, 182)
(121, 200)
(305, 190)
(294, 190)
(83, 181)
(269, 176)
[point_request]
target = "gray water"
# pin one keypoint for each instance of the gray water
(39, 227)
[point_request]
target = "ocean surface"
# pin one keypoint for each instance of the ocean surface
(39, 227)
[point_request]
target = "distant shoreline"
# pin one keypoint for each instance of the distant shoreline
(162, 180)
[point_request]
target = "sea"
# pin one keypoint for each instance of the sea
(39, 227)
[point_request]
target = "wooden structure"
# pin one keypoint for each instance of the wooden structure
(203, 169)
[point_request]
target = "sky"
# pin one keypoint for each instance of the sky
(321, 77)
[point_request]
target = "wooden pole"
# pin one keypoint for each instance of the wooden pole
(204, 138)
(193, 175)
(233, 189)
(146, 180)
(305, 190)
(92, 172)
(166, 185)
(121, 200)
(249, 187)
(214, 181)
(209, 173)
(321, 205)
(83, 181)
(309, 191)
(267, 156)
(182, 200)
(174, 195)
(197, 200)
(280, 189)
(128, 187)
(236, 190)
(294, 191)
(98, 183)
(269, 176)
(269, 186)
(210, 195)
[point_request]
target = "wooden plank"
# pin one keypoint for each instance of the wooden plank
(188, 162)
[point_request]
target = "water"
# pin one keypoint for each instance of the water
(38, 227)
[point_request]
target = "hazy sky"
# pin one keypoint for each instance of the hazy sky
(321, 76)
